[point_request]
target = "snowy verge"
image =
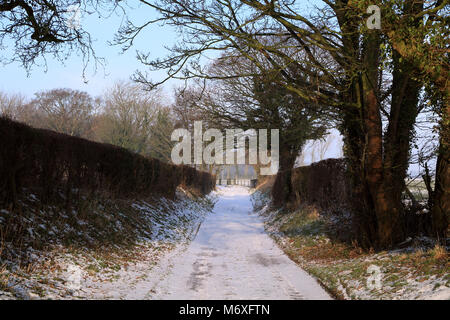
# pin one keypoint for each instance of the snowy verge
(51, 253)
(419, 271)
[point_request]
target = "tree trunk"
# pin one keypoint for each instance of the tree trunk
(378, 164)
(282, 188)
(441, 208)
(403, 114)
(353, 129)
(386, 201)
(365, 224)
(377, 201)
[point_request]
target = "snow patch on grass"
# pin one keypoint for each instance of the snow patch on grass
(419, 271)
(64, 254)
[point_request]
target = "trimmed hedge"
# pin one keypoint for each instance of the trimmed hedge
(47, 162)
(324, 184)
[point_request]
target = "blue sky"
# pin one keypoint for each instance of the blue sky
(119, 66)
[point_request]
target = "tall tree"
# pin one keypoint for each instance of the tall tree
(65, 110)
(159, 144)
(127, 116)
(425, 46)
(370, 83)
(11, 105)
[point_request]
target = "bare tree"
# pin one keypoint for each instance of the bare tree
(258, 99)
(320, 147)
(65, 110)
(159, 143)
(38, 28)
(127, 116)
(11, 105)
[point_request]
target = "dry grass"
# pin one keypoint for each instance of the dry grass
(343, 268)
(107, 236)
(439, 253)
(306, 231)
(105, 227)
(4, 277)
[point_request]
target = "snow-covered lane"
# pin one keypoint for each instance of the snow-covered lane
(230, 258)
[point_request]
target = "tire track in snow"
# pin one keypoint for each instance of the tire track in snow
(233, 258)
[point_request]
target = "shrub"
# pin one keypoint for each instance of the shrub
(323, 184)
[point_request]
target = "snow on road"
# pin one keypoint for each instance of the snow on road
(230, 258)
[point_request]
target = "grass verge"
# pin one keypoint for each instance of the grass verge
(52, 252)
(420, 271)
